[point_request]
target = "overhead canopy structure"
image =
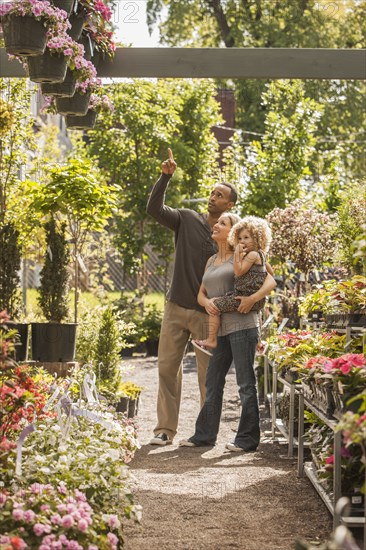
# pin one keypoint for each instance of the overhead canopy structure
(268, 63)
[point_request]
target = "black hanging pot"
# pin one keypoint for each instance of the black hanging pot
(96, 58)
(88, 44)
(86, 122)
(63, 89)
(66, 5)
(24, 35)
(76, 105)
(50, 68)
(53, 342)
(77, 21)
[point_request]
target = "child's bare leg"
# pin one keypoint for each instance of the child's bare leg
(213, 329)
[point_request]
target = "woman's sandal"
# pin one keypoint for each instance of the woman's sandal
(198, 344)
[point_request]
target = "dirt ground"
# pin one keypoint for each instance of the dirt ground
(210, 498)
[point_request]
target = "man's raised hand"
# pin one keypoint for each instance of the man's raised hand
(169, 166)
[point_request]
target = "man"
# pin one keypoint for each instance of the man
(183, 316)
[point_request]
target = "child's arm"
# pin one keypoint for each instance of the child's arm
(243, 262)
(269, 269)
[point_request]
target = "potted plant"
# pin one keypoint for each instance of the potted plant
(97, 104)
(132, 391)
(54, 341)
(79, 70)
(149, 329)
(26, 25)
(76, 191)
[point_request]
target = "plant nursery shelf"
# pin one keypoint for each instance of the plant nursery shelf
(349, 521)
(329, 500)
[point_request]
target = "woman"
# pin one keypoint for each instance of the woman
(237, 341)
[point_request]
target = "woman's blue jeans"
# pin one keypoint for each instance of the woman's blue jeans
(239, 346)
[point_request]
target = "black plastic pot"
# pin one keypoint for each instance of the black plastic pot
(88, 44)
(132, 408)
(53, 342)
(63, 89)
(66, 5)
(122, 405)
(47, 67)
(76, 105)
(24, 35)
(21, 348)
(86, 122)
(77, 21)
(152, 347)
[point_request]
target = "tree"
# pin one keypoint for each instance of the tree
(15, 139)
(351, 214)
(54, 283)
(76, 191)
(131, 143)
(268, 24)
(276, 166)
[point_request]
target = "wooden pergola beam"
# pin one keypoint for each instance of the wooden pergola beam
(271, 63)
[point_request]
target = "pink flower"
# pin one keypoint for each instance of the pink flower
(29, 516)
(3, 498)
(67, 521)
(113, 522)
(56, 519)
(113, 540)
(330, 460)
(39, 529)
(82, 525)
(18, 514)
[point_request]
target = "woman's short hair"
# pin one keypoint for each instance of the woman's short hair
(258, 229)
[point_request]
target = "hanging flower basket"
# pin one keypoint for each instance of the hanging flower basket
(66, 5)
(47, 67)
(63, 89)
(76, 105)
(24, 35)
(86, 122)
(77, 21)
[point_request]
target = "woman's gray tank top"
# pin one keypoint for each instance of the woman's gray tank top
(218, 280)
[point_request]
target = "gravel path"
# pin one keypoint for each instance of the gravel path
(209, 498)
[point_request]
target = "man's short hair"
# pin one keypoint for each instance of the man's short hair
(233, 191)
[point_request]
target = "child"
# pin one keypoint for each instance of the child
(250, 238)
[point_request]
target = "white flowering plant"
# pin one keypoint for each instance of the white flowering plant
(91, 457)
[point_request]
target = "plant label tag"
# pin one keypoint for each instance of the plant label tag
(81, 263)
(282, 325)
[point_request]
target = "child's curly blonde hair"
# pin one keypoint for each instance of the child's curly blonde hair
(258, 229)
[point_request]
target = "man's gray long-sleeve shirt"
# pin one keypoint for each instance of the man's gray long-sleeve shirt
(193, 245)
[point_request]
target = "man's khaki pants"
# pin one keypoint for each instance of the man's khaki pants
(177, 326)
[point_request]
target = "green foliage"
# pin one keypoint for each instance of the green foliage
(337, 297)
(16, 138)
(150, 324)
(54, 286)
(129, 389)
(286, 24)
(9, 269)
(276, 166)
(107, 350)
(351, 216)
